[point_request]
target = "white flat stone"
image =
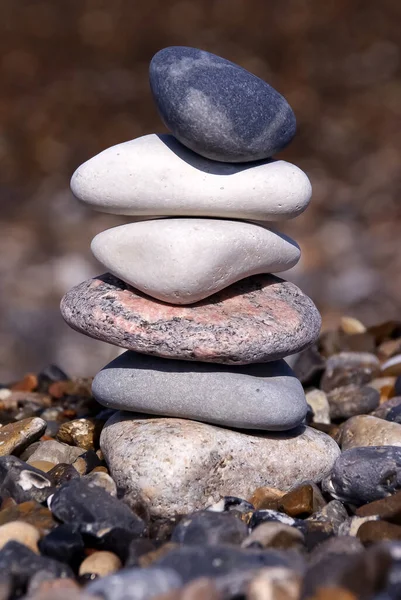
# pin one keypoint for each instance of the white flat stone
(155, 175)
(178, 466)
(260, 396)
(182, 261)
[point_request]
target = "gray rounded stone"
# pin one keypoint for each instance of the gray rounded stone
(217, 108)
(155, 175)
(183, 261)
(178, 466)
(260, 396)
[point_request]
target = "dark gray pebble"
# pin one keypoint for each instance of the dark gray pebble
(65, 544)
(208, 527)
(364, 474)
(92, 510)
(268, 515)
(218, 109)
(20, 481)
(22, 563)
(352, 400)
(346, 368)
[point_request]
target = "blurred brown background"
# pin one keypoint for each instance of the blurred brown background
(74, 80)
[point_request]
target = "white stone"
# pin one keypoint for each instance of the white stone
(155, 175)
(181, 261)
(178, 466)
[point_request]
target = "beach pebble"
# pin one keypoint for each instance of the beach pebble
(52, 451)
(365, 474)
(351, 400)
(347, 368)
(180, 466)
(259, 319)
(209, 528)
(155, 175)
(275, 535)
(182, 261)
(64, 543)
(217, 108)
(258, 396)
(135, 584)
(19, 531)
(15, 437)
(22, 482)
(100, 563)
(317, 400)
(365, 430)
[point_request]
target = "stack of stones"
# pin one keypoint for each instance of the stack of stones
(190, 295)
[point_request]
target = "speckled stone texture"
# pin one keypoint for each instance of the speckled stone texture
(217, 108)
(179, 466)
(260, 396)
(258, 319)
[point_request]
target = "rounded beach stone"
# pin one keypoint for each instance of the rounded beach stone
(156, 175)
(260, 396)
(179, 466)
(217, 108)
(365, 430)
(186, 260)
(258, 319)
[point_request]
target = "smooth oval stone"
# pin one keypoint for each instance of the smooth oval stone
(183, 261)
(365, 474)
(365, 430)
(156, 175)
(179, 466)
(217, 108)
(258, 319)
(260, 396)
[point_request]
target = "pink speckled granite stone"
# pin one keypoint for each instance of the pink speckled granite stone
(258, 319)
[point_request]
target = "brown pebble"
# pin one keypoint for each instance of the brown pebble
(28, 384)
(351, 326)
(7, 503)
(29, 512)
(388, 508)
(100, 470)
(22, 532)
(275, 535)
(100, 563)
(392, 366)
(378, 531)
(42, 465)
(364, 430)
(263, 496)
(84, 433)
(63, 472)
(15, 437)
(303, 500)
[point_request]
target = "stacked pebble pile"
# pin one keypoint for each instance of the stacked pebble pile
(190, 293)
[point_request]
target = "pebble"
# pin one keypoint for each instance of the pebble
(92, 509)
(22, 532)
(372, 532)
(103, 480)
(388, 508)
(54, 452)
(15, 437)
(263, 496)
(83, 433)
(259, 396)
(275, 535)
(348, 368)
(259, 319)
(317, 400)
(101, 563)
(182, 261)
(22, 563)
(218, 109)
(30, 512)
(302, 501)
(209, 528)
(191, 562)
(136, 584)
(365, 430)
(200, 589)
(181, 466)
(382, 411)
(334, 513)
(351, 400)
(365, 474)
(86, 462)
(308, 366)
(350, 526)
(64, 543)
(62, 473)
(274, 516)
(155, 175)
(274, 583)
(42, 465)
(392, 366)
(22, 482)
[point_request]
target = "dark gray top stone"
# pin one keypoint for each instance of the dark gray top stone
(218, 109)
